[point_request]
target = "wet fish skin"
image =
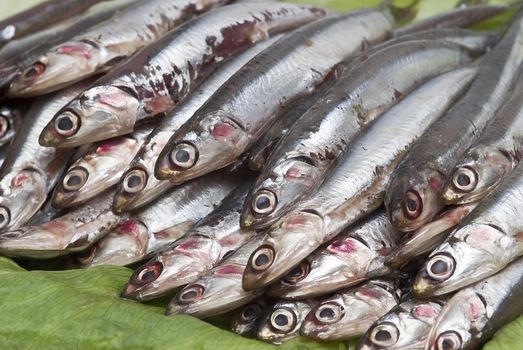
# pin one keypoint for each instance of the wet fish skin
(156, 78)
(98, 169)
(141, 168)
(413, 197)
(484, 243)
(405, 327)
(230, 123)
(219, 290)
(472, 316)
(350, 313)
(245, 320)
(11, 118)
(354, 256)
(105, 45)
(356, 187)
(199, 250)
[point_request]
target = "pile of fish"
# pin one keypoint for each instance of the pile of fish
(316, 173)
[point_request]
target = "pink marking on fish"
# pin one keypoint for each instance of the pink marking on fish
(435, 183)
(340, 246)
(294, 173)
(128, 226)
(56, 225)
(222, 130)
(19, 180)
(113, 100)
(426, 311)
(191, 245)
(295, 220)
(477, 309)
(229, 270)
(110, 145)
(75, 49)
(369, 293)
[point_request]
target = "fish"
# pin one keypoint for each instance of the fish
(245, 320)
(406, 326)
(30, 171)
(472, 315)
(413, 197)
(72, 232)
(219, 290)
(354, 256)
(350, 313)
(157, 77)
(356, 186)
(283, 321)
(493, 157)
(154, 227)
(211, 241)
(138, 186)
(98, 169)
(231, 122)
(484, 243)
(11, 118)
(313, 146)
(105, 45)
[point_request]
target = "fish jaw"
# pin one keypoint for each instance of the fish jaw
(414, 199)
(476, 251)
(245, 319)
(65, 65)
(98, 113)
(216, 142)
(292, 312)
(286, 184)
(286, 245)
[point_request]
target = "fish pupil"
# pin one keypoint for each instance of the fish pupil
(74, 180)
(261, 260)
(2, 218)
(296, 272)
(383, 335)
(182, 156)
(447, 344)
(249, 313)
(133, 181)
(463, 180)
(411, 204)
(439, 267)
(65, 123)
(148, 276)
(31, 72)
(281, 320)
(263, 202)
(327, 313)
(190, 295)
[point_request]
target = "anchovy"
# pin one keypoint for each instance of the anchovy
(155, 79)
(283, 321)
(302, 160)
(105, 45)
(138, 186)
(245, 320)
(151, 229)
(404, 327)
(232, 121)
(219, 290)
(474, 314)
(356, 187)
(199, 250)
(414, 194)
(98, 169)
(11, 118)
(350, 313)
(493, 157)
(354, 256)
(485, 242)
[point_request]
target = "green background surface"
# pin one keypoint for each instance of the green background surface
(81, 309)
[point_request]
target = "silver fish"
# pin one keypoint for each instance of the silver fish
(413, 196)
(138, 186)
(105, 45)
(151, 229)
(219, 290)
(486, 241)
(199, 250)
(474, 314)
(231, 122)
(11, 118)
(245, 320)
(155, 79)
(356, 187)
(350, 313)
(405, 327)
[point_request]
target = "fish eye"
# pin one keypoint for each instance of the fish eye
(264, 202)
(465, 179)
(283, 320)
(37, 69)
(135, 181)
(5, 217)
(251, 312)
(75, 179)
(184, 155)
(384, 335)
(4, 125)
(87, 255)
(262, 258)
(449, 341)
(329, 313)
(440, 267)
(412, 204)
(148, 273)
(298, 273)
(191, 293)
(67, 123)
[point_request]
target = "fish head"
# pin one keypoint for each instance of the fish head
(283, 321)
(98, 113)
(470, 254)
(279, 192)
(245, 319)
(413, 198)
(216, 141)
(133, 182)
(58, 68)
(479, 172)
(285, 246)
(9, 123)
